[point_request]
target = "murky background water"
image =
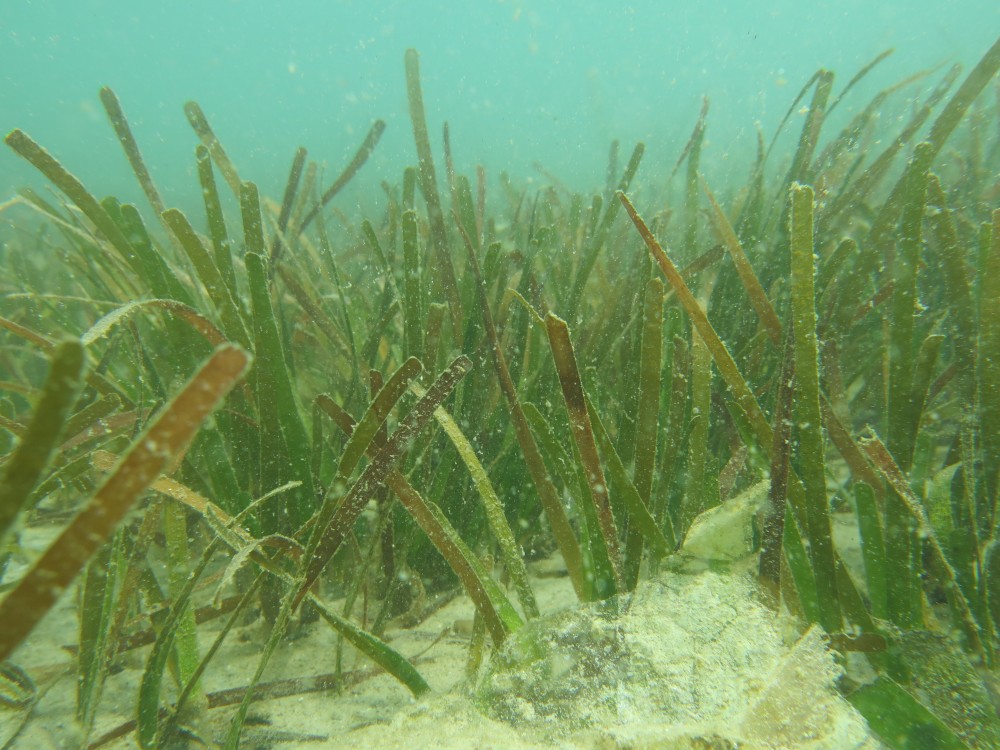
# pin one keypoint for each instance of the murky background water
(519, 81)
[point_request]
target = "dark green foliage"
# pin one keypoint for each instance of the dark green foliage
(900, 720)
(25, 466)
(531, 373)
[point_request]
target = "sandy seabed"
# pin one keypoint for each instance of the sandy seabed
(692, 661)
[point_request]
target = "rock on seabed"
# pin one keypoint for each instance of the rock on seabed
(691, 660)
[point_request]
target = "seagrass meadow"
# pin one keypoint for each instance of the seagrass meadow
(229, 432)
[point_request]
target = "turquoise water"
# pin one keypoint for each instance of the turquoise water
(537, 89)
(518, 81)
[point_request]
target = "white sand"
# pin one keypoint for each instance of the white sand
(695, 662)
